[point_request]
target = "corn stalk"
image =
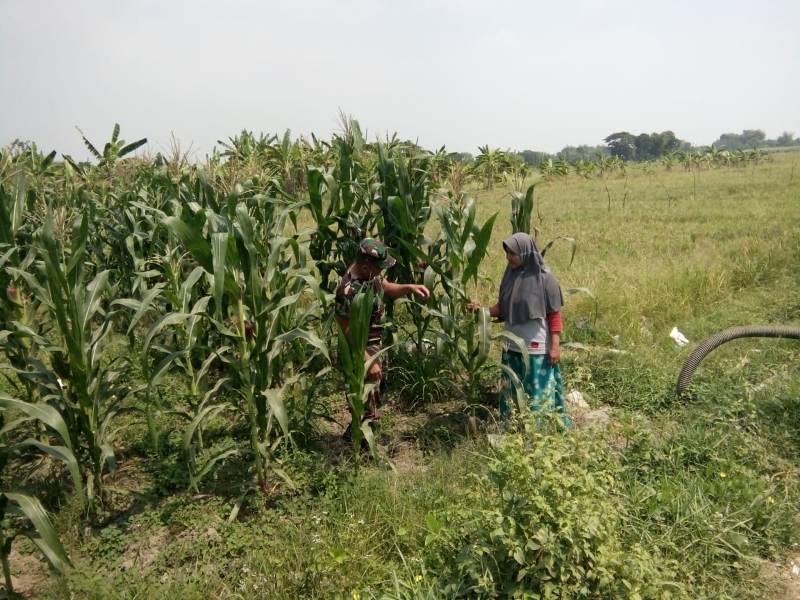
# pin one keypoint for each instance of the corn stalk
(86, 390)
(264, 303)
(17, 510)
(352, 348)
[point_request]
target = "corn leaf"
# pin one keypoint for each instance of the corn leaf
(42, 412)
(47, 539)
(66, 456)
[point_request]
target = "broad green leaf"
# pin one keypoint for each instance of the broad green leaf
(278, 408)
(131, 147)
(573, 246)
(168, 320)
(66, 456)
(219, 247)
(192, 239)
(517, 342)
(210, 463)
(517, 388)
(310, 338)
(369, 435)
(140, 306)
(107, 457)
(205, 414)
(481, 244)
(42, 412)
(47, 539)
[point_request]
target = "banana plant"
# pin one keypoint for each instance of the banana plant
(113, 150)
(490, 165)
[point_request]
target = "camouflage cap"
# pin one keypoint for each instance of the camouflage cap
(377, 251)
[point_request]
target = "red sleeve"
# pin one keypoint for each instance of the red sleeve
(554, 322)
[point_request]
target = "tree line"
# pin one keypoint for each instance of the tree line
(648, 146)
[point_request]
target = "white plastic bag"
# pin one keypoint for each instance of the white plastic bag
(679, 338)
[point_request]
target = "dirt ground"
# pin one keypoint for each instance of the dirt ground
(783, 578)
(28, 574)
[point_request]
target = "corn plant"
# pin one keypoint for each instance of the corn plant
(264, 303)
(404, 199)
(522, 220)
(462, 248)
(352, 348)
(20, 511)
(455, 258)
(522, 210)
(339, 203)
(19, 321)
(76, 378)
(184, 351)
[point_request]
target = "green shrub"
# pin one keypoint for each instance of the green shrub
(545, 521)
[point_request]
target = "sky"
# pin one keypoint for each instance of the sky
(462, 73)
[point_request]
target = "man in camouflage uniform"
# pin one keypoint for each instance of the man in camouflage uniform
(373, 258)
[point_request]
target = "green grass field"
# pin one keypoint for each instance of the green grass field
(695, 499)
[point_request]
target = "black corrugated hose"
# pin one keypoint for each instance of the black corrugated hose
(726, 335)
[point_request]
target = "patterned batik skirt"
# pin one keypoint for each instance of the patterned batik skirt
(542, 382)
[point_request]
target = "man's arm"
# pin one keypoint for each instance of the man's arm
(398, 290)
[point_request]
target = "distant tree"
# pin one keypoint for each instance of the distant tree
(462, 157)
(19, 146)
(572, 154)
(622, 144)
(749, 138)
(646, 146)
(786, 139)
(533, 158)
(655, 145)
(669, 142)
(753, 138)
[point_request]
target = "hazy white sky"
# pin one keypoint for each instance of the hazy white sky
(510, 73)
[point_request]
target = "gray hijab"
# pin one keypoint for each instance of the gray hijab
(530, 291)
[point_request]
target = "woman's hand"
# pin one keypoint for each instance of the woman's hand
(554, 354)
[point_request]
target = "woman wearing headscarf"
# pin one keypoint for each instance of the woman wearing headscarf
(529, 304)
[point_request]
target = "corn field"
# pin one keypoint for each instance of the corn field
(195, 303)
(124, 277)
